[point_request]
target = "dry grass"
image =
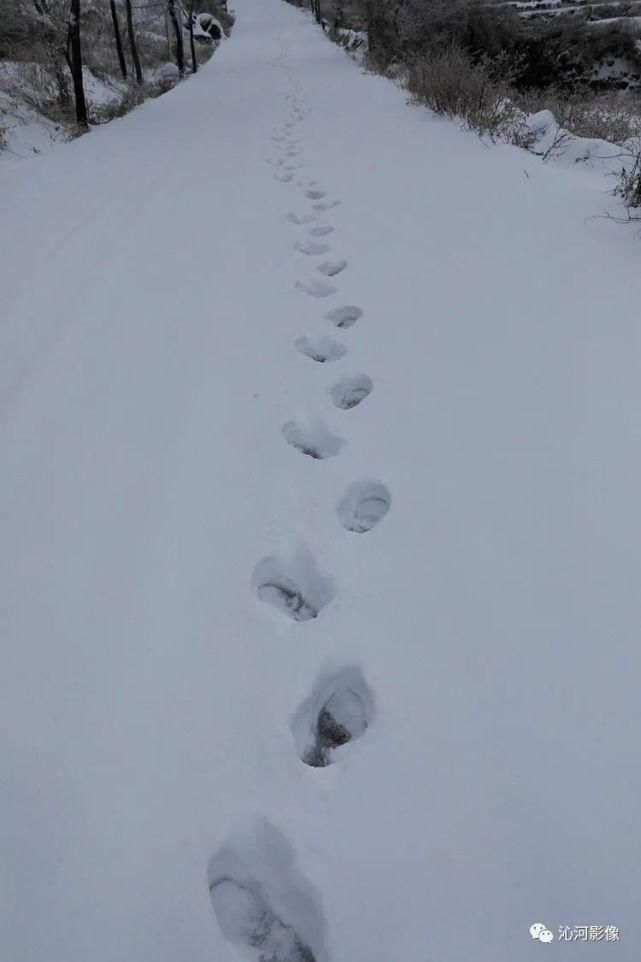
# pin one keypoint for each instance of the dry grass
(479, 94)
(615, 117)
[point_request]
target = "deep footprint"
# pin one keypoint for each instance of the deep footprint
(363, 505)
(350, 390)
(326, 204)
(315, 287)
(321, 349)
(244, 917)
(311, 247)
(339, 711)
(332, 266)
(321, 231)
(293, 585)
(301, 218)
(312, 439)
(262, 904)
(315, 194)
(344, 317)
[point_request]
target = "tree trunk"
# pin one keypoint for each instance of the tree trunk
(180, 53)
(132, 42)
(121, 52)
(74, 59)
(192, 45)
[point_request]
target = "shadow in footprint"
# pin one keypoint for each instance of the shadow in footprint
(332, 266)
(312, 439)
(293, 584)
(363, 505)
(321, 349)
(262, 904)
(339, 711)
(315, 194)
(326, 204)
(321, 231)
(350, 390)
(344, 317)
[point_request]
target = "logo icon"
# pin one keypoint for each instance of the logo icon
(539, 931)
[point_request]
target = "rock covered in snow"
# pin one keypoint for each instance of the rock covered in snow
(168, 75)
(207, 27)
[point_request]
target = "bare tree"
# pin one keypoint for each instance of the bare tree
(132, 42)
(178, 30)
(192, 46)
(74, 59)
(118, 38)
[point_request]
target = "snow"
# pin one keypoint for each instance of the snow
(26, 131)
(180, 594)
(101, 93)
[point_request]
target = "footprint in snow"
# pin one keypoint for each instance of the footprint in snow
(332, 266)
(312, 439)
(350, 390)
(326, 205)
(339, 710)
(321, 349)
(315, 194)
(315, 287)
(301, 218)
(344, 317)
(322, 231)
(293, 584)
(363, 505)
(311, 247)
(285, 178)
(262, 904)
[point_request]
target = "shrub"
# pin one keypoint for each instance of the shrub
(614, 117)
(481, 29)
(14, 28)
(451, 83)
(629, 185)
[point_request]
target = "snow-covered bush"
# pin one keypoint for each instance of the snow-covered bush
(167, 76)
(207, 27)
(614, 117)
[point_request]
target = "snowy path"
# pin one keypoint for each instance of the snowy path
(222, 557)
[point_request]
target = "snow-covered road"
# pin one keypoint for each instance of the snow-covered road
(187, 591)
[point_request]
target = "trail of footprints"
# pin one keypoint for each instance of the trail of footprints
(273, 912)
